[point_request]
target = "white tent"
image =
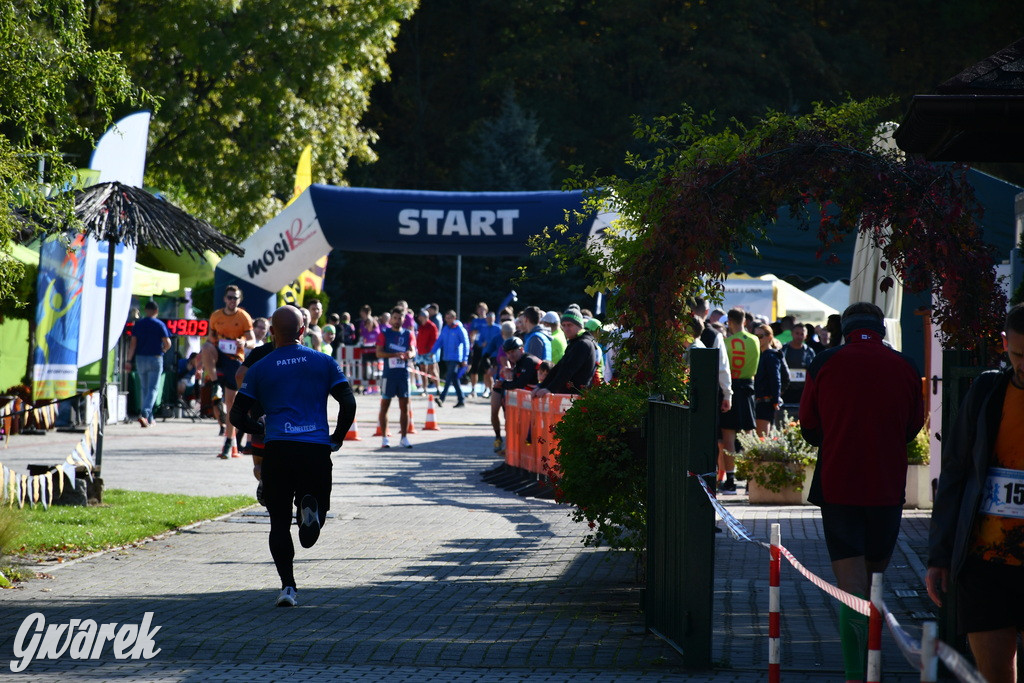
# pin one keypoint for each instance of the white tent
(835, 294)
(774, 298)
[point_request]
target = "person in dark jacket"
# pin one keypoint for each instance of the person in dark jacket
(978, 519)
(862, 403)
(575, 371)
(771, 379)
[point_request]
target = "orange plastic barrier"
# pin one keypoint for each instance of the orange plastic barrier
(528, 423)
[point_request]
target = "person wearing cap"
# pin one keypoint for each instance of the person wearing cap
(575, 371)
(862, 403)
(327, 346)
(593, 326)
(550, 321)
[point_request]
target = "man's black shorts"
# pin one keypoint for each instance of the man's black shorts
(291, 469)
(990, 596)
(764, 410)
(861, 530)
(227, 366)
(478, 362)
(741, 416)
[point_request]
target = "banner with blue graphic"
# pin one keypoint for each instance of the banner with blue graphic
(58, 318)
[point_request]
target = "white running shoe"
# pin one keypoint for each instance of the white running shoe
(288, 598)
(404, 443)
(384, 442)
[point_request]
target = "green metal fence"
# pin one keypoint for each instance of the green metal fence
(680, 520)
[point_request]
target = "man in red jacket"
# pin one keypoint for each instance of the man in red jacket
(862, 403)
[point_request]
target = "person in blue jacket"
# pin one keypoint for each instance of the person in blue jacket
(453, 343)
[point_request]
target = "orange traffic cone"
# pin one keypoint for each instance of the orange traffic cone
(353, 433)
(412, 427)
(431, 425)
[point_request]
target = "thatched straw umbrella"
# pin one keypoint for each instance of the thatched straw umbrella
(120, 214)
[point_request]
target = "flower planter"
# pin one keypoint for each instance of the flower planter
(759, 495)
(919, 488)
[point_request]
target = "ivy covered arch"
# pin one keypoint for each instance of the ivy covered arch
(699, 197)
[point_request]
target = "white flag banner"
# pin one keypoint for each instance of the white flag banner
(120, 155)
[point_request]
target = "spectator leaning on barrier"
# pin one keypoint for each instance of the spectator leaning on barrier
(575, 371)
(551, 322)
(862, 403)
(978, 519)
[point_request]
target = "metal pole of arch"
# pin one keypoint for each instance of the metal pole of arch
(458, 286)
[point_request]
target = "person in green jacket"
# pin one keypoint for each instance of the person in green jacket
(550, 320)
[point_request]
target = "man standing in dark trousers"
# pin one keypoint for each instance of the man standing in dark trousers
(292, 384)
(862, 403)
(978, 520)
(150, 341)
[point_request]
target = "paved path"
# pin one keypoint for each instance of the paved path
(422, 573)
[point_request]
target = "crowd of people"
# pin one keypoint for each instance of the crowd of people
(858, 400)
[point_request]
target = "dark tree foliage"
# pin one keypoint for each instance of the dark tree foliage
(584, 68)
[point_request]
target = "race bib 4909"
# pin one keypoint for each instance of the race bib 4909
(1003, 494)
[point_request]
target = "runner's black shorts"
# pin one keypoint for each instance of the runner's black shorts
(990, 596)
(478, 362)
(741, 416)
(291, 469)
(861, 530)
(764, 410)
(227, 366)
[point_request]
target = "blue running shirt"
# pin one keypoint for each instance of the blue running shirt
(392, 341)
(292, 384)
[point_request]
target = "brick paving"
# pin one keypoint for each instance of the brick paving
(423, 572)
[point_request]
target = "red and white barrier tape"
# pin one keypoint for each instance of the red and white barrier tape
(740, 533)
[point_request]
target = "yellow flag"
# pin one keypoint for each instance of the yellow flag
(311, 280)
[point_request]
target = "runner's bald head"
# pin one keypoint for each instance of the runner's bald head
(288, 325)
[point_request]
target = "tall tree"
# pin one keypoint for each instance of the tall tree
(46, 64)
(244, 85)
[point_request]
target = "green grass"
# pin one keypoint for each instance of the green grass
(125, 517)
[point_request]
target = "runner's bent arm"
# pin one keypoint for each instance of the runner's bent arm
(240, 416)
(342, 393)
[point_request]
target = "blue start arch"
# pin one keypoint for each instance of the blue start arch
(325, 217)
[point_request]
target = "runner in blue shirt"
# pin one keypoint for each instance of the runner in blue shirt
(292, 384)
(397, 347)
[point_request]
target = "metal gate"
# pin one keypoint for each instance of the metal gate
(680, 520)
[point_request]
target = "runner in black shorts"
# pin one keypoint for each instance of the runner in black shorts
(292, 385)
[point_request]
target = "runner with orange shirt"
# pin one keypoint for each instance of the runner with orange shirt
(230, 334)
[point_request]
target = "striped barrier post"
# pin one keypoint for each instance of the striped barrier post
(775, 607)
(875, 631)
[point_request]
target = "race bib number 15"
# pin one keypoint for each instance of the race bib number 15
(1004, 493)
